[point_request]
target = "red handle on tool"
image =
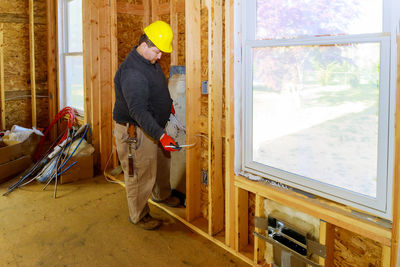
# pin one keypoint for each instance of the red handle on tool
(172, 109)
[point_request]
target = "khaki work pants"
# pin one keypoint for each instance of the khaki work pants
(151, 170)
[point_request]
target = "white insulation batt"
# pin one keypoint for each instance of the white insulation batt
(177, 89)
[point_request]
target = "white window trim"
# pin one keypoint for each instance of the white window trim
(62, 54)
(382, 205)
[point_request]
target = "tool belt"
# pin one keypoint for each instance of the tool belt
(131, 128)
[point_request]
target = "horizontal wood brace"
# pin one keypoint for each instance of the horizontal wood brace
(21, 94)
(20, 18)
(126, 8)
(319, 210)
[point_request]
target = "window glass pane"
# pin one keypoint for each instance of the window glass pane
(74, 81)
(295, 18)
(74, 26)
(315, 112)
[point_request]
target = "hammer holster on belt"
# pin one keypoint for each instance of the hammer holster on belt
(132, 142)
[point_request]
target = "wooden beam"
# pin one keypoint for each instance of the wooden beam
(203, 125)
(229, 131)
(86, 11)
(319, 210)
(215, 89)
(105, 83)
(193, 100)
(330, 245)
(21, 18)
(322, 239)
(56, 96)
(147, 9)
(127, 8)
(178, 214)
(162, 9)
(174, 25)
(396, 174)
(52, 62)
(259, 244)
(385, 256)
(242, 219)
(2, 89)
(32, 61)
(94, 66)
(154, 7)
(114, 67)
(180, 6)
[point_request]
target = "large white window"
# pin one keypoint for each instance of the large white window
(317, 97)
(70, 54)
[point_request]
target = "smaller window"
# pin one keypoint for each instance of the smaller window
(70, 54)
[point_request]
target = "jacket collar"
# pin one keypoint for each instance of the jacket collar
(136, 55)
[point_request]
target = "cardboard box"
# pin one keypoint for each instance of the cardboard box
(15, 159)
(13, 152)
(14, 167)
(83, 169)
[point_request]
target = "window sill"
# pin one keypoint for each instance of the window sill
(319, 209)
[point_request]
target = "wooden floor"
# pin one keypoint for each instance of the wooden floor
(87, 225)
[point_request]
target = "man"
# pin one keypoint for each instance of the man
(143, 105)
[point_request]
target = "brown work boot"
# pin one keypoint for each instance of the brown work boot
(170, 201)
(147, 222)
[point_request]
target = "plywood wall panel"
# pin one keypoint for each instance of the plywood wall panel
(204, 100)
(16, 56)
(42, 111)
(204, 188)
(252, 202)
(14, 15)
(18, 112)
(129, 30)
(353, 250)
(14, 6)
(181, 38)
(41, 57)
(204, 57)
(39, 8)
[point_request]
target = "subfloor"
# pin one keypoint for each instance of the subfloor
(87, 225)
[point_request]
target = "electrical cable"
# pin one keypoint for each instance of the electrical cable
(80, 141)
(58, 169)
(66, 169)
(24, 96)
(44, 160)
(71, 118)
(50, 165)
(188, 146)
(105, 174)
(33, 169)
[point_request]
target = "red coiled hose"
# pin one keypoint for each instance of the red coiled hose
(71, 118)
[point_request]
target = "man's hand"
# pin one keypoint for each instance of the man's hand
(172, 109)
(168, 143)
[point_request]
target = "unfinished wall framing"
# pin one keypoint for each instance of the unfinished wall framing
(99, 61)
(222, 210)
(23, 63)
(348, 238)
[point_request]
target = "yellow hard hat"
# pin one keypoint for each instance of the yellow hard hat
(160, 33)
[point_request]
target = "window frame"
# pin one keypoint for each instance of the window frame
(63, 53)
(245, 26)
